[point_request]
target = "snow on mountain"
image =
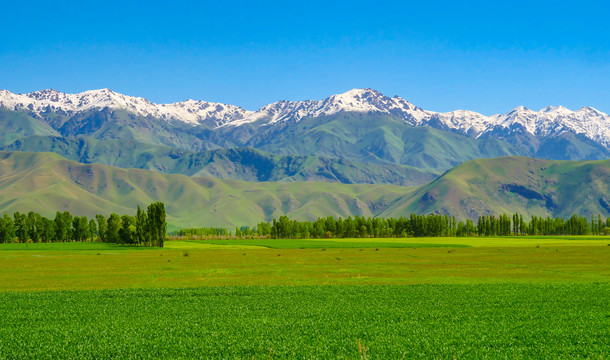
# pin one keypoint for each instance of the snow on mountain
(356, 100)
(548, 121)
(190, 111)
(551, 120)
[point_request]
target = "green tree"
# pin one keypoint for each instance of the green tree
(156, 224)
(102, 227)
(21, 229)
(92, 229)
(142, 236)
(128, 230)
(7, 229)
(48, 231)
(63, 226)
(34, 226)
(80, 228)
(112, 228)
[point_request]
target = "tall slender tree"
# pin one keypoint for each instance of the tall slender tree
(142, 236)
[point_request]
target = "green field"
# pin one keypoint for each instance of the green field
(398, 298)
(325, 322)
(512, 241)
(88, 266)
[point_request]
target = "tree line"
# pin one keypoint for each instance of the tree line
(431, 225)
(204, 231)
(147, 228)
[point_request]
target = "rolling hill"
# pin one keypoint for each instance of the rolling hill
(514, 184)
(246, 164)
(46, 182)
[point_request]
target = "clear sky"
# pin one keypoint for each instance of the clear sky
(484, 56)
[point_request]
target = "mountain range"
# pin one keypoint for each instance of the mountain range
(361, 126)
(551, 120)
(300, 158)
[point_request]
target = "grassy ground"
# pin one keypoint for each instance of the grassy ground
(324, 322)
(309, 243)
(512, 241)
(471, 261)
(397, 298)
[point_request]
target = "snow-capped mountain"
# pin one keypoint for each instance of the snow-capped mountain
(356, 100)
(553, 120)
(190, 111)
(586, 121)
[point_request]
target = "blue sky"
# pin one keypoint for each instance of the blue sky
(442, 56)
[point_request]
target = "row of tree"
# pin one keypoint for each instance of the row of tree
(146, 228)
(431, 225)
(204, 231)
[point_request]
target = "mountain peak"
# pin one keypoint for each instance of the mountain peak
(99, 91)
(50, 94)
(555, 109)
(364, 94)
(589, 109)
(520, 108)
(361, 92)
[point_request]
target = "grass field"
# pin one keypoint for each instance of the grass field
(529, 241)
(324, 322)
(400, 298)
(83, 266)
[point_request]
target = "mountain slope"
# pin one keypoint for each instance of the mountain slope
(377, 138)
(238, 164)
(46, 183)
(18, 125)
(514, 184)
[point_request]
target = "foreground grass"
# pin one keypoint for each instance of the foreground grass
(393, 322)
(62, 268)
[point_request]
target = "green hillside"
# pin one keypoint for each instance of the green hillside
(46, 182)
(246, 164)
(377, 138)
(16, 125)
(514, 184)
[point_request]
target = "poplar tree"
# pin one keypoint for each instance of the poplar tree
(141, 235)
(102, 227)
(113, 227)
(92, 229)
(156, 224)
(128, 229)
(21, 230)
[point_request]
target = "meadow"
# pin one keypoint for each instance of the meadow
(325, 322)
(333, 298)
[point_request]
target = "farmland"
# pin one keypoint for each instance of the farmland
(419, 321)
(304, 262)
(263, 298)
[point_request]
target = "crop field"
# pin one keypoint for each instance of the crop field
(261, 322)
(332, 298)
